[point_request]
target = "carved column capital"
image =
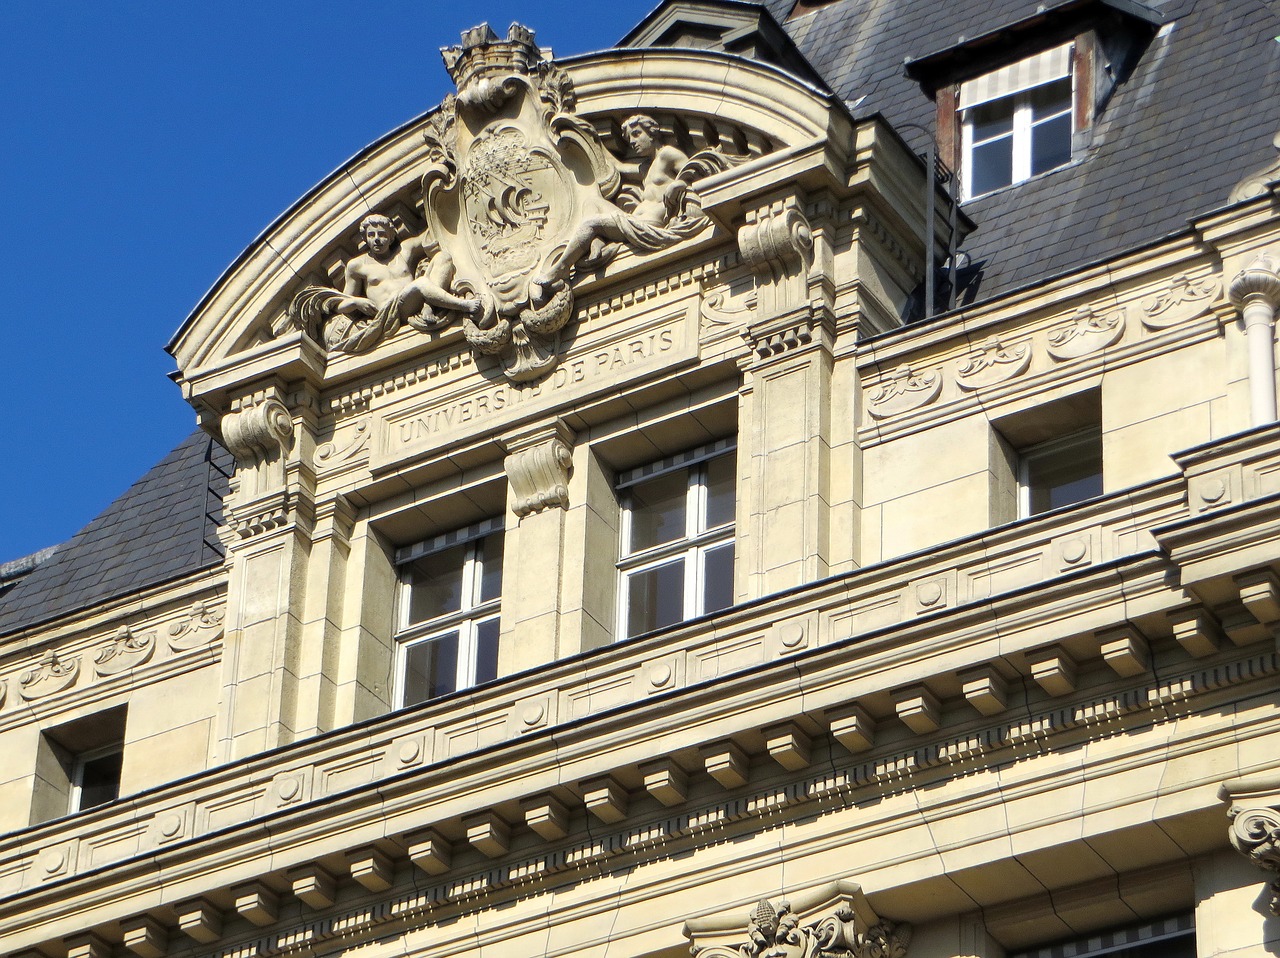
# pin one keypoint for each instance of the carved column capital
(257, 430)
(842, 925)
(1254, 814)
(776, 242)
(538, 465)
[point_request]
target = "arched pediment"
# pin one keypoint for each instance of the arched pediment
(728, 117)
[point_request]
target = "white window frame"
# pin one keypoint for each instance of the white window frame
(698, 540)
(1045, 450)
(466, 620)
(76, 782)
(1021, 134)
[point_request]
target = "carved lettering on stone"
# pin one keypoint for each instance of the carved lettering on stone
(125, 651)
(774, 931)
(1186, 298)
(202, 626)
(50, 675)
(992, 363)
(1086, 332)
(904, 390)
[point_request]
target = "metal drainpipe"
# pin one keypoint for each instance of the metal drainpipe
(1255, 292)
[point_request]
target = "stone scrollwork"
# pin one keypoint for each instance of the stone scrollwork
(1255, 825)
(1186, 298)
(992, 363)
(50, 675)
(258, 431)
(775, 931)
(125, 651)
(777, 244)
(1086, 332)
(202, 626)
(538, 468)
(903, 390)
(520, 194)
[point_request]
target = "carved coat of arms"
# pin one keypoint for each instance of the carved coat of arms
(519, 192)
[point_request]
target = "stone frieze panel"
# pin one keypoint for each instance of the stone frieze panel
(627, 355)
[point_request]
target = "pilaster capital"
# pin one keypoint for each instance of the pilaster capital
(538, 465)
(258, 428)
(1254, 814)
(1258, 282)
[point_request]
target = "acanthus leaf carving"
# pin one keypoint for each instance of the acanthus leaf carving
(1255, 833)
(202, 626)
(258, 431)
(125, 651)
(903, 390)
(993, 363)
(49, 676)
(521, 196)
(1186, 298)
(1087, 331)
(775, 931)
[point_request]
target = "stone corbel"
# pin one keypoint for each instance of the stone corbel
(1254, 814)
(1256, 293)
(834, 921)
(538, 466)
(777, 244)
(258, 431)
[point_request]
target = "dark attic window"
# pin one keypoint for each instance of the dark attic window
(1020, 102)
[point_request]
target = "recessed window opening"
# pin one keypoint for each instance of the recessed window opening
(677, 539)
(448, 615)
(1167, 938)
(1060, 472)
(95, 778)
(1017, 122)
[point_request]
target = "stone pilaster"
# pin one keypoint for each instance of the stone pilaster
(539, 468)
(268, 537)
(785, 408)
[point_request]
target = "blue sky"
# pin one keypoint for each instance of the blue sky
(145, 145)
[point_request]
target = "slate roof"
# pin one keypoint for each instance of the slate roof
(162, 528)
(1194, 118)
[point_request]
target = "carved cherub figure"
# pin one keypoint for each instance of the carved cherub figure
(653, 211)
(394, 282)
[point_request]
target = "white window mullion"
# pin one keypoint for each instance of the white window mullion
(1022, 140)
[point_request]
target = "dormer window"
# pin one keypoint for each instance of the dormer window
(1017, 122)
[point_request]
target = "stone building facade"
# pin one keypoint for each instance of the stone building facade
(731, 491)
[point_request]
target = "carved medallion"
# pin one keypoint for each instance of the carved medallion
(521, 198)
(1186, 298)
(124, 652)
(51, 674)
(1086, 332)
(903, 390)
(992, 363)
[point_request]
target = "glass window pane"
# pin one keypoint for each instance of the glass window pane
(1051, 144)
(721, 483)
(717, 578)
(487, 650)
(100, 780)
(1050, 98)
(1065, 474)
(658, 510)
(435, 584)
(491, 572)
(431, 669)
(991, 166)
(991, 119)
(655, 597)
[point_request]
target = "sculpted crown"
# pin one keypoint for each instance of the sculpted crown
(482, 55)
